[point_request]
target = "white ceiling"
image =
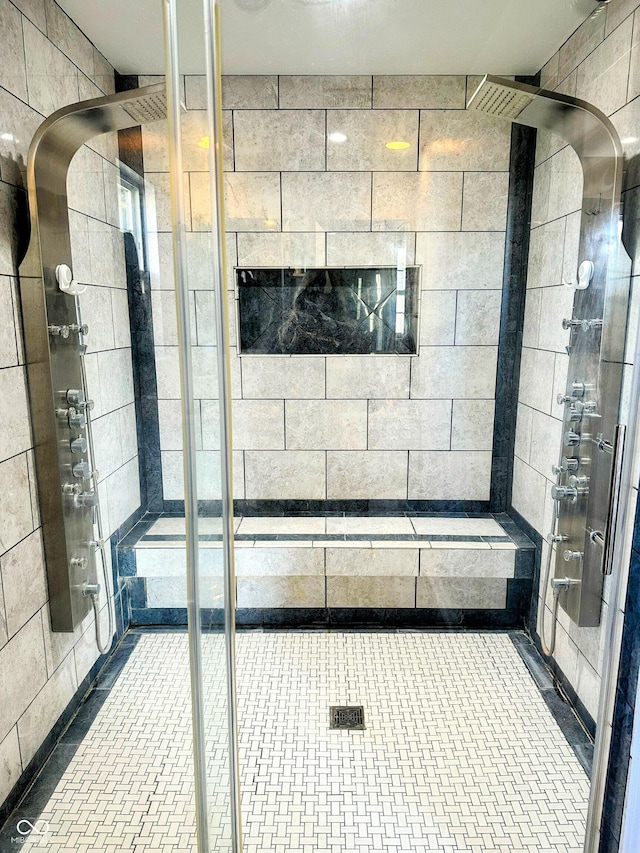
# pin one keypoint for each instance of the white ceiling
(339, 36)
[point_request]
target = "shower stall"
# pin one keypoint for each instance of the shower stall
(331, 378)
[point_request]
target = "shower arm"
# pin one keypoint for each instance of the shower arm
(588, 130)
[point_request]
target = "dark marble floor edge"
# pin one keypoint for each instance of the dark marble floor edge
(33, 789)
(564, 713)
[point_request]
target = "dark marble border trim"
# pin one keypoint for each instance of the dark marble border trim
(463, 509)
(343, 617)
(130, 153)
(514, 288)
(39, 779)
(532, 628)
(565, 715)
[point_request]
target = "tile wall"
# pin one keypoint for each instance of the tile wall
(344, 427)
(600, 63)
(48, 63)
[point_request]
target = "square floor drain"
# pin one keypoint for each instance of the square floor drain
(345, 717)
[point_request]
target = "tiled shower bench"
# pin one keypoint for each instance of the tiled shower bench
(407, 569)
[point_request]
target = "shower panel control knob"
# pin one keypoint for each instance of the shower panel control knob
(87, 499)
(563, 493)
(87, 404)
(78, 564)
(79, 445)
(575, 413)
(571, 438)
(76, 420)
(570, 463)
(577, 388)
(82, 470)
(581, 484)
(71, 488)
(59, 331)
(75, 396)
(572, 555)
(561, 399)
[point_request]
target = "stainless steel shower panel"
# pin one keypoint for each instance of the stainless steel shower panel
(53, 359)
(596, 352)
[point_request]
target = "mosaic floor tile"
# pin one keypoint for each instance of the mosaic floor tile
(460, 753)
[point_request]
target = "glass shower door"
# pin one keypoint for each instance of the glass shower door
(195, 148)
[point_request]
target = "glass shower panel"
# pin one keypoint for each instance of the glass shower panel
(198, 257)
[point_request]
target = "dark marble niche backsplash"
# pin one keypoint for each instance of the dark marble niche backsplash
(328, 311)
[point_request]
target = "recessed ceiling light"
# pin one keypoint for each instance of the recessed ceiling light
(337, 137)
(204, 142)
(398, 145)
(628, 140)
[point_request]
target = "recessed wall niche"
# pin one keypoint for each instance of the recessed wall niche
(328, 311)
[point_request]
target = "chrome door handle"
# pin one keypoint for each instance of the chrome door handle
(614, 499)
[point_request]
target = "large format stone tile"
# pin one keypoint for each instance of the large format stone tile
(370, 249)
(366, 474)
(10, 763)
(438, 317)
(461, 261)
(371, 562)
(268, 377)
(248, 92)
(371, 525)
(256, 525)
(12, 75)
(15, 436)
(43, 713)
(462, 593)
(529, 494)
(545, 255)
(462, 372)
(325, 92)
(422, 92)
(326, 201)
(371, 591)
(458, 140)
(15, 502)
(467, 563)
(281, 250)
(195, 143)
(279, 140)
(478, 318)
(603, 76)
(66, 36)
(291, 474)
(277, 592)
(257, 424)
(444, 526)
(367, 132)
(536, 379)
(252, 201)
(417, 201)
(409, 424)
(546, 441)
(23, 672)
(442, 476)
(472, 425)
(264, 560)
(8, 347)
(484, 205)
(23, 581)
(367, 376)
(326, 424)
